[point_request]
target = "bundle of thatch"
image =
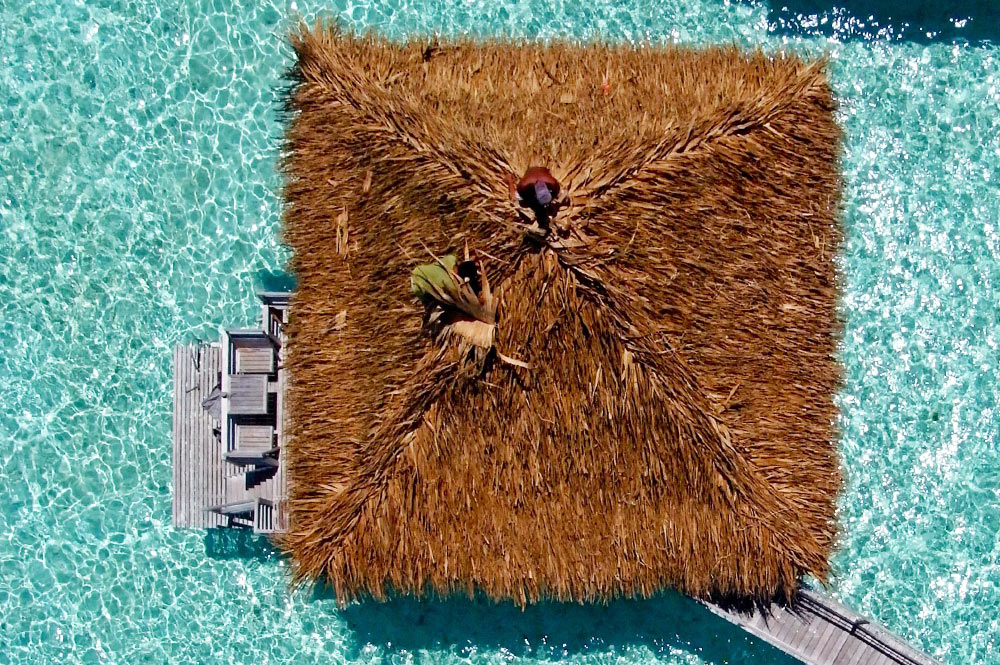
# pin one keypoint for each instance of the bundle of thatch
(677, 316)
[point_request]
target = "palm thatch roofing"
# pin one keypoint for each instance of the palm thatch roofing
(674, 425)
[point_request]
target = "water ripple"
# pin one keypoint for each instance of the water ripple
(139, 205)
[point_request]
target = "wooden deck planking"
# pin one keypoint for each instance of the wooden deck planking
(255, 360)
(177, 458)
(831, 640)
(201, 483)
(806, 640)
(873, 658)
(215, 449)
(823, 638)
(821, 631)
(180, 451)
(183, 383)
(195, 448)
(248, 394)
(850, 653)
(788, 626)
(254, 438)
(210, 362)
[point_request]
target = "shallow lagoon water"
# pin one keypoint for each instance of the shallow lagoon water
(139, 207)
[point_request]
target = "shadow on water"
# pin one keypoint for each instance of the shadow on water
(274, 280)
(227, 544)
(662, 624)
(954, 20)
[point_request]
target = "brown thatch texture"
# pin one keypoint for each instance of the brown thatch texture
(675, 427)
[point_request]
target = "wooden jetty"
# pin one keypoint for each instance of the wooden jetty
(818, 630)
(229, 427)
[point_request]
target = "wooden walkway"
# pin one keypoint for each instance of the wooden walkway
(199, 469)
(821, 631)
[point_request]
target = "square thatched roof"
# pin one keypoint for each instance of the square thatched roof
(675, 424)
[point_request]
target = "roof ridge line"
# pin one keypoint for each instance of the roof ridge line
(704, 406)
(683, 141)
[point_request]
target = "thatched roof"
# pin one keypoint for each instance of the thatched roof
(675, 426)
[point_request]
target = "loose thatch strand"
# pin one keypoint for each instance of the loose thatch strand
(673, 425)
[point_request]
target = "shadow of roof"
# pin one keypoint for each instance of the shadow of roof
(923, 21)
(663, 624)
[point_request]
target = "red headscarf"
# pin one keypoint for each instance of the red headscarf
(536, 185)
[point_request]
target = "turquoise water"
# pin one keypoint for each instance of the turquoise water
(139, 207)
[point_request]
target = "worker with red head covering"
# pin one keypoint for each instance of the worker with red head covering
(537, 190)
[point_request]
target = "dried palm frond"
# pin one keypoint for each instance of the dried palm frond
(454, 306)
